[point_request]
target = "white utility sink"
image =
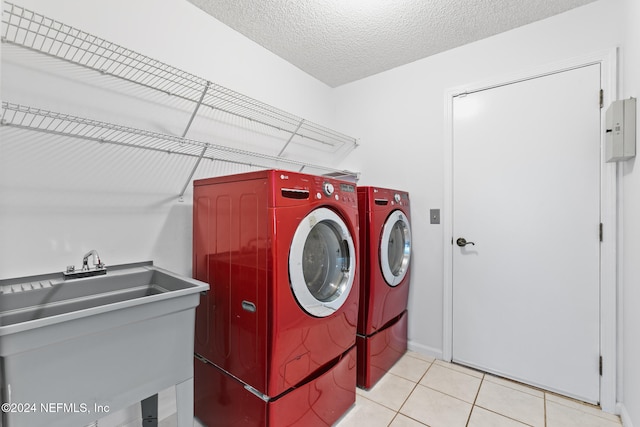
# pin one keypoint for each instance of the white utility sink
(73, 351)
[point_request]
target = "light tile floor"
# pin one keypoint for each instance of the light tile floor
(420, 391)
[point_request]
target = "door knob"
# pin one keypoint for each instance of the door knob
(462, 242)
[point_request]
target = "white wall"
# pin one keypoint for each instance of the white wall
(60, 197)
(399, 115)
(630, 183)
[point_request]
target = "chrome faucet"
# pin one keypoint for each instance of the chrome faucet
(99, 269)
(96, 260)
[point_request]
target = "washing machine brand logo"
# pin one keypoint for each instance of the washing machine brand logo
(283, 176)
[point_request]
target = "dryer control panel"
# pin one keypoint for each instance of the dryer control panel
(297, 186)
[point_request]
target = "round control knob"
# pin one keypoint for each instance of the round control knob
(396, 197)
(328, 188)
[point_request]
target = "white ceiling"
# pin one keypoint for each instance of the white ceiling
(340, 41)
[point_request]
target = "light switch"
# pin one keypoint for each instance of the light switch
(434, 216)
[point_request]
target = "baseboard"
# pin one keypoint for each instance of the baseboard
(624, 415)
(426, 350)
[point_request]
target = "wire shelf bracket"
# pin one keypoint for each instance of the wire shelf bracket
(290, 138)
(195, 110)
(193, 171)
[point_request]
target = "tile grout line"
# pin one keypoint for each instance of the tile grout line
(517, 387)
(545, 408)
(409, 395)
(506, 385)
(451, 395)
(494, 411)
(473, 405)
(504, 416)
(582, 407)
(465, 371)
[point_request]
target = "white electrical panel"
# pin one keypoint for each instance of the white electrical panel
(620, 136)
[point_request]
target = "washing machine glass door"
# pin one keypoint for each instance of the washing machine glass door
(322, 263)
(395, 248)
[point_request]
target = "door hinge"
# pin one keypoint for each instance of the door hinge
(601, 232)
(601, 98)
(600, 365)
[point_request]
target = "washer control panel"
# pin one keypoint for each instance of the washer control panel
(303, 187)
(384, 196)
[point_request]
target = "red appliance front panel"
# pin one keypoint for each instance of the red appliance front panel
(232, 254)
(249, 324)
(379, 302)
(221, 400)
(379, 352)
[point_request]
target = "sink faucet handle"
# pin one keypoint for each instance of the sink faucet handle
(96, 259)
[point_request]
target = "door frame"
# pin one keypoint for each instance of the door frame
(608, 212)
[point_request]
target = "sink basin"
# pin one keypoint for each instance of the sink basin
(94, 343)
(48, 296)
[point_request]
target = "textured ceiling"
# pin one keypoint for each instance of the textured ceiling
(340, 41)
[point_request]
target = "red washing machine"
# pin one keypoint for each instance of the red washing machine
(275, 335)
(385, 253)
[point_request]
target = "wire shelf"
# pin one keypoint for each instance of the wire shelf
(37, 32)
(25, 117)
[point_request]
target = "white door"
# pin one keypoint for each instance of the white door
(526, 192)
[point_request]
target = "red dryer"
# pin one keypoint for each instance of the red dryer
(275, 335)
(385, 253)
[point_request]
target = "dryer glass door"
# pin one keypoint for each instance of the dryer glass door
(395, 248)
(322, 262)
